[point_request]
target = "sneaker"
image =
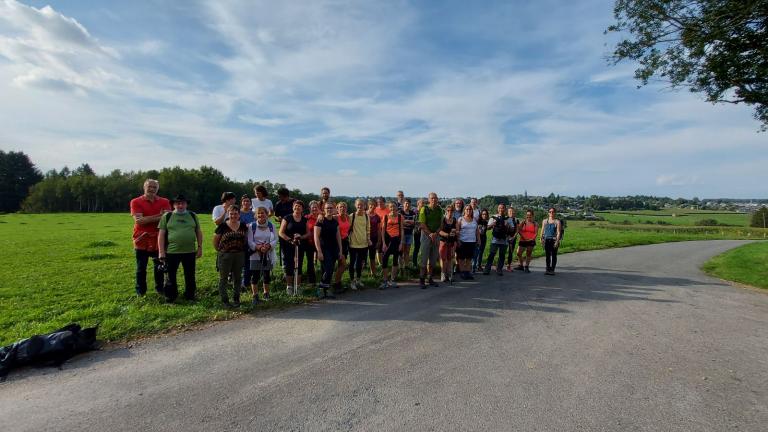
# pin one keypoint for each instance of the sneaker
(320, 292)
(526, 269)
(500, 273)
(470, 277)
(422, 285)
(227, 304)
(289, 290)
(443, 277)
(266, 296)
(255, 301)
(384, 285)
(352, 285)
(520, 267)
(330, 294)
(433, 283)
(393, 284)
(486, 273)
(236, 304)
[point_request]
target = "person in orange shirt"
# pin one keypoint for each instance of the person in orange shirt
(391, 235)
(381, 209)
(527, 231)
(342, 214)
(146, 211)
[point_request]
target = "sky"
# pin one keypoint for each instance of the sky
(367, 97)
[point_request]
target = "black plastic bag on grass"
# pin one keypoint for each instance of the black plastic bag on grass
(52, 349)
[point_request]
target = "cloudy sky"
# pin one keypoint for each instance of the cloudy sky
(466, 98)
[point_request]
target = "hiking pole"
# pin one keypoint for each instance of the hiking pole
(296, 268)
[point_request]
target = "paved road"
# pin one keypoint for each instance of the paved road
(624, 339)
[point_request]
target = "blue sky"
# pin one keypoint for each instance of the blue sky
(464, 98)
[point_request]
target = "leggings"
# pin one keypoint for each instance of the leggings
(289, 254)
(393, 250)
(357, 258)
(372, 250)
(308, 250)
(511, 255)
(551, 252)
(330, 255)
(416, 247)
(257, 275)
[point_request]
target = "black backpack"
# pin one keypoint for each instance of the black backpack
(562, 228)
(500, 229)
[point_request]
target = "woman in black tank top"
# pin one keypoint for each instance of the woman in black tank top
(293, 231)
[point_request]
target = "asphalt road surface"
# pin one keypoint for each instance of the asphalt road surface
(622, 339)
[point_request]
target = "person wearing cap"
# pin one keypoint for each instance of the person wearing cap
(221, 211)
(146, 211)
(180, 242)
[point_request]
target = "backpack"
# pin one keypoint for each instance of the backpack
(352, 224)
(168, 219)
(500, 229)
(253, 226)
(562, 228)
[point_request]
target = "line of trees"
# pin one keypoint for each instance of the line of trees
(17, 175)
(81, 190)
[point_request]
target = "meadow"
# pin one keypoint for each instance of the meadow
(747, 264)
(62, 268)
(675, 216)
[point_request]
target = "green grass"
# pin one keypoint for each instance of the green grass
(62, 268)
(747, 264)
(675, 216)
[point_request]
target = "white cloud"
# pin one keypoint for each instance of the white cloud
(676, 180)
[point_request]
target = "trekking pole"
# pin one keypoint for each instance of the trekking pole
(296, 269)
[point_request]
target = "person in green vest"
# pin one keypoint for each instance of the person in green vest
(430, 217)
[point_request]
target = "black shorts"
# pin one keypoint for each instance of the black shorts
(466, 250)
(345, 247)
(527, 243)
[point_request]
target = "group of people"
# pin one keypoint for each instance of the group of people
(255, 236)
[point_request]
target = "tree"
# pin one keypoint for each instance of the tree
(715, 47)
(760, 218)
(17, 175)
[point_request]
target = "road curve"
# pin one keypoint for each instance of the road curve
(622, 339)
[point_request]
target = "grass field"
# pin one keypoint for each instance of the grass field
(675, 216)
(62, 268)
(747, 264)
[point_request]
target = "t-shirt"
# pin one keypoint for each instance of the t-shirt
(232, 241)
(283, 209)
(393, 225)
(447, 227)
(311, 221)
(266, 203)
(359, 231)
(381, 212)
(181, 228)
(344, 227)
(328, 228)
(293, 227)
(145, 236)
(217, 212)
(476, 213)
(431, 217)
(468, 232)
(409, 216)
(375, 224)
(527, 231)
(247, 217)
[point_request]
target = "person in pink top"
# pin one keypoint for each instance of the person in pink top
(527, 231)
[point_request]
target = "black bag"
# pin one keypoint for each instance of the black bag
(49, 349)
(500, 229)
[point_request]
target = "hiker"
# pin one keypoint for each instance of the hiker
(500, 227)
(325, 197)
(551, 229)
(482, 226)
(527, 231)
(342, 216)
(262, 241)
(475, 208)
(512, 238)
(448, 238)
(458, 209)
(221, 212)
(308, 246)
(180, 241)
(430, 219)
(391, 235)
(230, 241)
(293, 231)
(246, 217)
(328, 246)
(417, 234)
(147, 211)
(359, 241)
(469, 232)
(284, 205)
(261, 200)
(409, 225)
(373, 250)
(400, 200)
(381, 208)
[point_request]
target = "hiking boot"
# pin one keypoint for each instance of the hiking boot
(352, 285)
(384, 285)
(289, 290)
(443, 277)
(526, 269)
(500, 273)
(236, 304)
(255, 301)
(520, 267)
(331, 294)
(393, 284)
(422, 285)
(433, 283)
(320, 292)
(470, 277)
(486, 273)
(266, 296)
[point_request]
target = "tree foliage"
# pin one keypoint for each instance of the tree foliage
(760, 218)
(81, 190)
(17, 175)
(715, 47)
